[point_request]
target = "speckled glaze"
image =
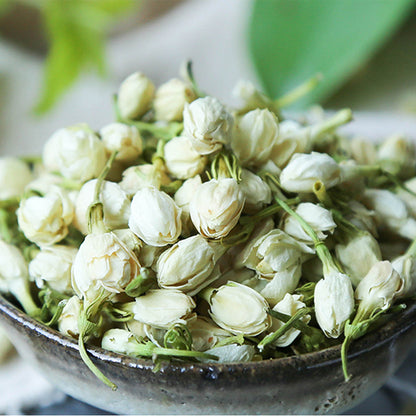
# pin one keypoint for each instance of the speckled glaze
(307, 384)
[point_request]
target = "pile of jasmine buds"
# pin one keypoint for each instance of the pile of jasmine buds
(187, 230)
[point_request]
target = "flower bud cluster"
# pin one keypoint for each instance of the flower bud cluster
(191, 227)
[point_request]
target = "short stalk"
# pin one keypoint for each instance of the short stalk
(206, 294)
(5, 233)
(161, 132)
(322, 250)
(320, 192)
(411, 251)
(298, 92)
(344, 357)
(88, 362)
(19, 288)
(283, 329)
(338, 119)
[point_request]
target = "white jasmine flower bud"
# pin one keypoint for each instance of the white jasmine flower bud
(45, 219)
(76, 152)
(185, 193)
(334, 302)
(155, 217)
(254, 136)
(405, 265)
(138, 329)
(357, 255)
(390, 212)
(319, 218)
(182, 160)
(170, 100)
(255, 190)
(363, 151)
(289, 305)
(130, 240)
(118, 340)
(162, 308)
(205, 334)
(239, 309)
(241, 257)
(14, 176)
(216, 207)
(408, 198)
(378, 289)
(44, 183)
(115, 202)
(397, 155)
(207, 124)
(291, 140)
(283, 282)
(102, 262)
(13, 266)
(135, 95)
(53, 265)
(188, 265)
(124, 139)
(251, 96)
(304, 170)
(183, 198)
(274, 252)
(141, 176)
(362, 217)
(68, 320)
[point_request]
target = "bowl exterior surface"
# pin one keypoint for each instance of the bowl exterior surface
(308, 384)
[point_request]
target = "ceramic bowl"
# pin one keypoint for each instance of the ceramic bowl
(306, 384)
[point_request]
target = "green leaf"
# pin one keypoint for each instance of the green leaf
(76, 30)
(4, 6)
(292, 40)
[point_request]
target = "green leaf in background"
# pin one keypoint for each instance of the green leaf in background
(76, 30)
(291, 40)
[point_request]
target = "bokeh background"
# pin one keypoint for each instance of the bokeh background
(62, 60)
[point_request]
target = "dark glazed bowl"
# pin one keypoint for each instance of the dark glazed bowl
(306, 384)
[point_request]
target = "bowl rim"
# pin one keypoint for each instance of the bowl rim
(404, 320)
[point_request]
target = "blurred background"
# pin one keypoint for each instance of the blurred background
(62, 60)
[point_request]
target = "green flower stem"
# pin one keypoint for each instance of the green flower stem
(178, 337)
(300, 325)
(70, 184)
(206, 294)
(411, 250)
(33, 160)
(298, 92)
(191, 78)
(283, 329)
(167, 132)
(344, 357)
(86, 328)
(172, 187)
(226, 165)
(235, 339)
(96, 209)
(88, 362)
(8, 203)
(320, 192)
(338, 119)
(19, 288)
(5, 233)
(322, 250)
(141, 283)
(151, 350)
(54, 320)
